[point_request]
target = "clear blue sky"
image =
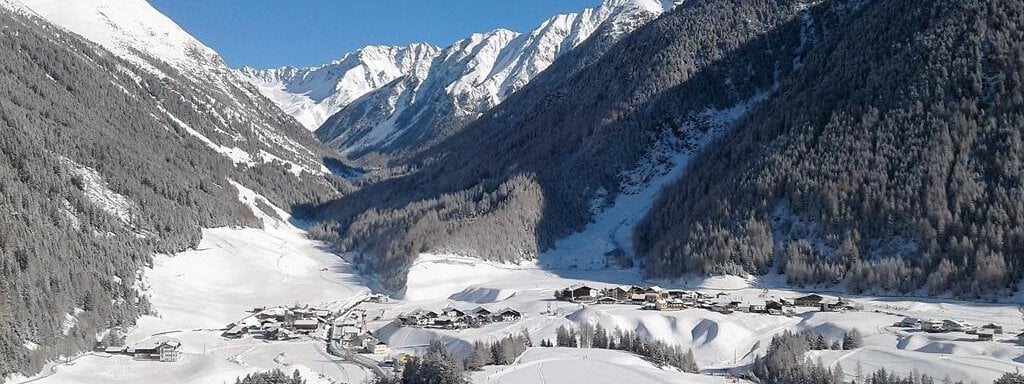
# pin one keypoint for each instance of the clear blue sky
(272, 33)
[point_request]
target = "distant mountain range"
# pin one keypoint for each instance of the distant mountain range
(312, 95)
(388, 99)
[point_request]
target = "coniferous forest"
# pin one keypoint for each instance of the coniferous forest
(889, 162)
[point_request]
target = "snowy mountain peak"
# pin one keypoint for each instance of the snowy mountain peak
(646, 5)
(472, 76)
(138, 33)
(17, 7)
(497, 34)
(311, 95)
(131, 29)
(478, 71)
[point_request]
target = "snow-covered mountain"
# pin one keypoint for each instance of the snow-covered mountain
(384, 98)
(312, 95)
(248, 129)
(133, 30)
(471, 77)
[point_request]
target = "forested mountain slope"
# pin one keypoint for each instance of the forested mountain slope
(469, 78)
(890, 161)
(245, 126)
(537, 167)
(104, 163)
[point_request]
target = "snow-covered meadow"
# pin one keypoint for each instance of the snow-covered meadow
(720, 342)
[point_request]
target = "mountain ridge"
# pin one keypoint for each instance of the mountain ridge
(312, 94)
(469, 78)
(465, 79)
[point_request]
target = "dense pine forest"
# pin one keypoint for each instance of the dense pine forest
(95, 177)
(890, 161)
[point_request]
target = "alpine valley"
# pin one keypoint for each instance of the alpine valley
(646, 191)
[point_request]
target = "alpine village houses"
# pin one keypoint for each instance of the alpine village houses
(657, 298)
(454, 318)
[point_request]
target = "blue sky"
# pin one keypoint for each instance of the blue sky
(272, 33)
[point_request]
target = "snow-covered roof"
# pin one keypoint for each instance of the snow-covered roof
(349, 330)
(156, 343)
(277, 311)
(250, 321)
(957, 322)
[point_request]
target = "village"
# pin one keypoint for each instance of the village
(660, 299)
(453, 318)
(346, 328)
(346, 331)
(358, 330)
(986, 332)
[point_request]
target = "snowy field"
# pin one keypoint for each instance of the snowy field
(198, 292)
(570, 365)
(720, 342)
